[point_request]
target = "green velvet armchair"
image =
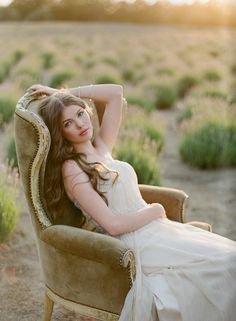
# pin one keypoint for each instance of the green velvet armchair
(83, 270)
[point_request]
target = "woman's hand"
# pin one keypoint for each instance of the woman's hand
(41, 90)
(157, 209)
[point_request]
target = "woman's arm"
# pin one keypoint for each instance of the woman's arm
(103, 92)
(111, 94)
(78, 186)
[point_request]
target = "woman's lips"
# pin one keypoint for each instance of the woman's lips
(84, 132)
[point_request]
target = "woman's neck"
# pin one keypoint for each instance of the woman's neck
(87, 148)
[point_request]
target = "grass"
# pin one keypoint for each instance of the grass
(111, 61)
(213, 145)
(106, 79)
(144, 163)
(233, 69)
(48, 60)
(143, 102)
(216, 93)
(146, 56)
(212, 75)
(165, 71)
(11, 152)
(59, 78)
(185, 84)
(7, 66)
(128, 74)
(10, 207)
(140, 144)
(7, 109)
(185, 114)
(166, 97)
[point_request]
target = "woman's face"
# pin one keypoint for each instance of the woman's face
(76, 125)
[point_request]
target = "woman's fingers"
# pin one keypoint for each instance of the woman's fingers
(40, 89)
(34, 87)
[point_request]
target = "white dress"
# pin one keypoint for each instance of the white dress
(183, 272)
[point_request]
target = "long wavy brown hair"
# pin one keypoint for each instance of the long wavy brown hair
(50, 109)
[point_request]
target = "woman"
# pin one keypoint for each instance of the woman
(183, 273)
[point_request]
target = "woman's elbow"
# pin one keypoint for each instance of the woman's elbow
(115, 229)
(118, 92)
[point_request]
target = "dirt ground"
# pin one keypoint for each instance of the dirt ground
(212, 199)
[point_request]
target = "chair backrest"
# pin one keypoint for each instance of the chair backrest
(32, 139)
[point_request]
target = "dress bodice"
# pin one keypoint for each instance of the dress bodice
(123, 195)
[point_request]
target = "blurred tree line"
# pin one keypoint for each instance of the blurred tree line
(162, 12)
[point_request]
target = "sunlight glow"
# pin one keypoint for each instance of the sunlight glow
(171, 1)
(5, 3)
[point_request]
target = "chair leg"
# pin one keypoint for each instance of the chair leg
(48, 307)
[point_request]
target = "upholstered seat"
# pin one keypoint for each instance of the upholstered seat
(83, 270)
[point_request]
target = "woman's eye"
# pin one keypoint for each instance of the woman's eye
(67, 124)
(80, 113)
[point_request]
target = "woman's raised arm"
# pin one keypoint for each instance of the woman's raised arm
(112, 96)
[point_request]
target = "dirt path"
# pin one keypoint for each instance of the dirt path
(212, 199)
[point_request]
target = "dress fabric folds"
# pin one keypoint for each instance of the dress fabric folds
(183, 273)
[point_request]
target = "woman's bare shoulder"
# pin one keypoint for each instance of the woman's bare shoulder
(71, 167)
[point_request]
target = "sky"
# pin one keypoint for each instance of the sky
(6, 2)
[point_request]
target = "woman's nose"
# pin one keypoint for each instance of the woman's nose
(79, 123)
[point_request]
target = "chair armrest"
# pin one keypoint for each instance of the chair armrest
(203, 225)
(173, 200)
(86, 267)
(89, 245)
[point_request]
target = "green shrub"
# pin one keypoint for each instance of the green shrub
(28, 76)
(165, 71)
(154, 134)
(214, 53)
(11, 152)
(7, 109)
(233, 69)
(143, 162)
(47, 59)
(185, 114)
(232, 96)
(185, 84)
(9, 201)
(212, 75)
(17, 56)
(146, 104)
(139, 77)
(138, 64)
(212, 145)
(89, 64)
(59, 78)
(6, 66)
(128, 74)
(232, 99)
(78, 58)
(144, 132)
(166, 97)
(230, 145)
(110, 61)
(4, 71)
(106, 79)
(215, 93)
